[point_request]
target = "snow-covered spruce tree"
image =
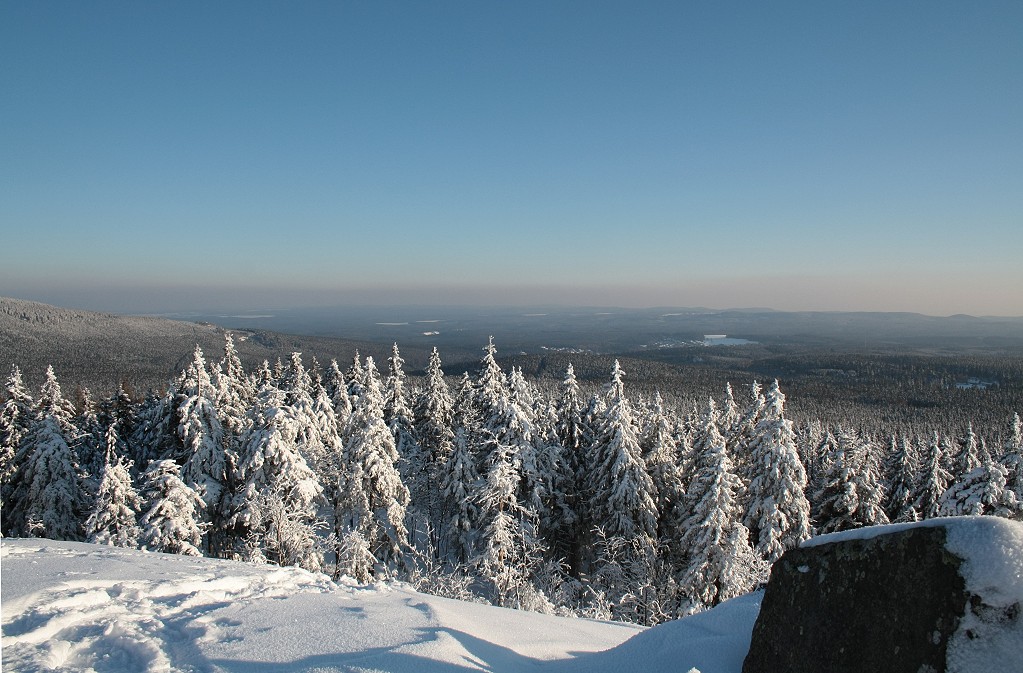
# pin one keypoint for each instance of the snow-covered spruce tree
(824, 453)
(740, 441)
(566, 534)
(980, 491)
(778, 513)
(327, 434)
(170, 511)
(204, 458)
(116, 507)
(372, 458)
(722, 564)
(902, 471)
(433, 416)
(464, 408)
(413, 463)
(664, 464)
(489, 398)
(356, 378)
(809, 434)
(47, 496)
(397, 410)
(51, 402)
(120, 411)
(852, 496)
(277, 497)
(933, 481)
(15, 419)
(509, 548)
(517, 428)
(592, 418)
(48, 499)
(460, 514)
(969, 456)
(729, 414)
(1012, 457)
(513, 492)
(315, 432)
(89, 447)
(337, 391)
(869, 480)
(263, 377)
(234, 393)
(623, 493)
(154, 436)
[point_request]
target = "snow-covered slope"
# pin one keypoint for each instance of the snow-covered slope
(80, 607)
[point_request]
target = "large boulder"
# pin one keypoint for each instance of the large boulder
(940, 596)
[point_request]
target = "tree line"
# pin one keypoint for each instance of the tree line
(482, 487)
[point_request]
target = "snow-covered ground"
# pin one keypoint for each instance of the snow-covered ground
(78, 607)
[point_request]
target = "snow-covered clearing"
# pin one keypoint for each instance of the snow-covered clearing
(78, 607)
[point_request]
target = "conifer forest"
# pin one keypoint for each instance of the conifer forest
(571, 499)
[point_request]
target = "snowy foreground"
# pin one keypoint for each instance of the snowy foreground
(80, 607)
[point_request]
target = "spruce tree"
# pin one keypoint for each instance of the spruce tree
(48, 499)
(968, 458)
(933, 481)
(869, 480)
(623, 493)
(1012, 457)
(778, 514)
(15, 419)
(458, 486)
(114, 513)
(433, 418)
(234, 393)
(278, 495)
(902, 486)
(740, 441)
(371, 456)
(852, 496)
(412, 462)
(204, 457)
(980, 491)
(89, 447)
(337, 391)
(171, 511)
(722, 564)
(566, 534)
(664, 464)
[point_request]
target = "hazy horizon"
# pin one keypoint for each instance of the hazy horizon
(227, 304)
(233, 156)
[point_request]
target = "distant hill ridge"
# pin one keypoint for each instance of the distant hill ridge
(102, 350)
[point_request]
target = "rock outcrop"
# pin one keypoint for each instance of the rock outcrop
(890, 602)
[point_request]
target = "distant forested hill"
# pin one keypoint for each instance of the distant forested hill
(102, 350)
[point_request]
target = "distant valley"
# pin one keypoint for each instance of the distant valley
(867, 368)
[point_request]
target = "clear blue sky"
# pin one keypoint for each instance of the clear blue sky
(814, 155)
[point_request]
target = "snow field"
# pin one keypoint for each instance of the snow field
(78, 607)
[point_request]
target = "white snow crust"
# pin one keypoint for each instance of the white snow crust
(78, 607)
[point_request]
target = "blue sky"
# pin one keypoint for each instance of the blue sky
(828, 156)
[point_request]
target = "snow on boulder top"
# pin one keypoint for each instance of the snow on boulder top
(991, 548)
